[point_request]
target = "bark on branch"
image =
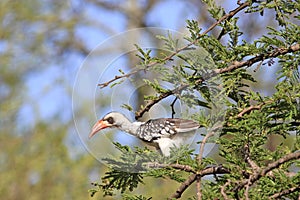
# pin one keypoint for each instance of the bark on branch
(264, 171)
(284, 192)
(191, 179)
(251, 61)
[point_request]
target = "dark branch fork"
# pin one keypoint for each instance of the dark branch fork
(259, 172)
(263, 172)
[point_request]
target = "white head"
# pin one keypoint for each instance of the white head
(110, 120)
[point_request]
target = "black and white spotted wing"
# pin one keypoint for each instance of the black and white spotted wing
(165, 128)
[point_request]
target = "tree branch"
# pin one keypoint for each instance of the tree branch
(276, 164)
(203, 142)
(248, 159)
(198, 186)
(249, 109)
(231, 14)
(227, 16)
(185, 168)
(199, 158)
(246, 193)
(275, 53)
(253, 107)
(207, 171)
(213, 170)
(172, 106)
(184, 186)
(284, 192)
(262, 172)
(169, 57)
(151, 103)
(223, 190)
(255, 168)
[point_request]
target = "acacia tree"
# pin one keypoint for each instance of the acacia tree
(248, 168)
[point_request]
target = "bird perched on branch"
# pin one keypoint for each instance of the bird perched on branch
(162, 133)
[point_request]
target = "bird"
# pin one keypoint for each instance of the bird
(162, 133)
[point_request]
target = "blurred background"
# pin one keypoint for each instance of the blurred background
(43, 44)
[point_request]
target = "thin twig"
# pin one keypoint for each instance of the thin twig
(249, 109)
(255, 168)
(169, 57)
(204, 141)
(248, 159)
(185, 168)
(151, 103)
(199, 158)
(231, 14)
(223, 188)
(172, 107)
(253, 107)
(103, 85)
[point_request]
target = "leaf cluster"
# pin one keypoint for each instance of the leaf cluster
(208, 72)
(128, 170)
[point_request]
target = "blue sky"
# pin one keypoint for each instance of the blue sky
(46, 89)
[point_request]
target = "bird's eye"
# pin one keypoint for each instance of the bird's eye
(110, 120)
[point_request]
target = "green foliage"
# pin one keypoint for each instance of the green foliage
(135, 197)
(170, 43)
(216, 11)
(194, 30)
(283, 9)
(144, 56)
(198, 74)
(127, 171)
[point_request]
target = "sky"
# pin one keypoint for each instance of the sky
(92, 37)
